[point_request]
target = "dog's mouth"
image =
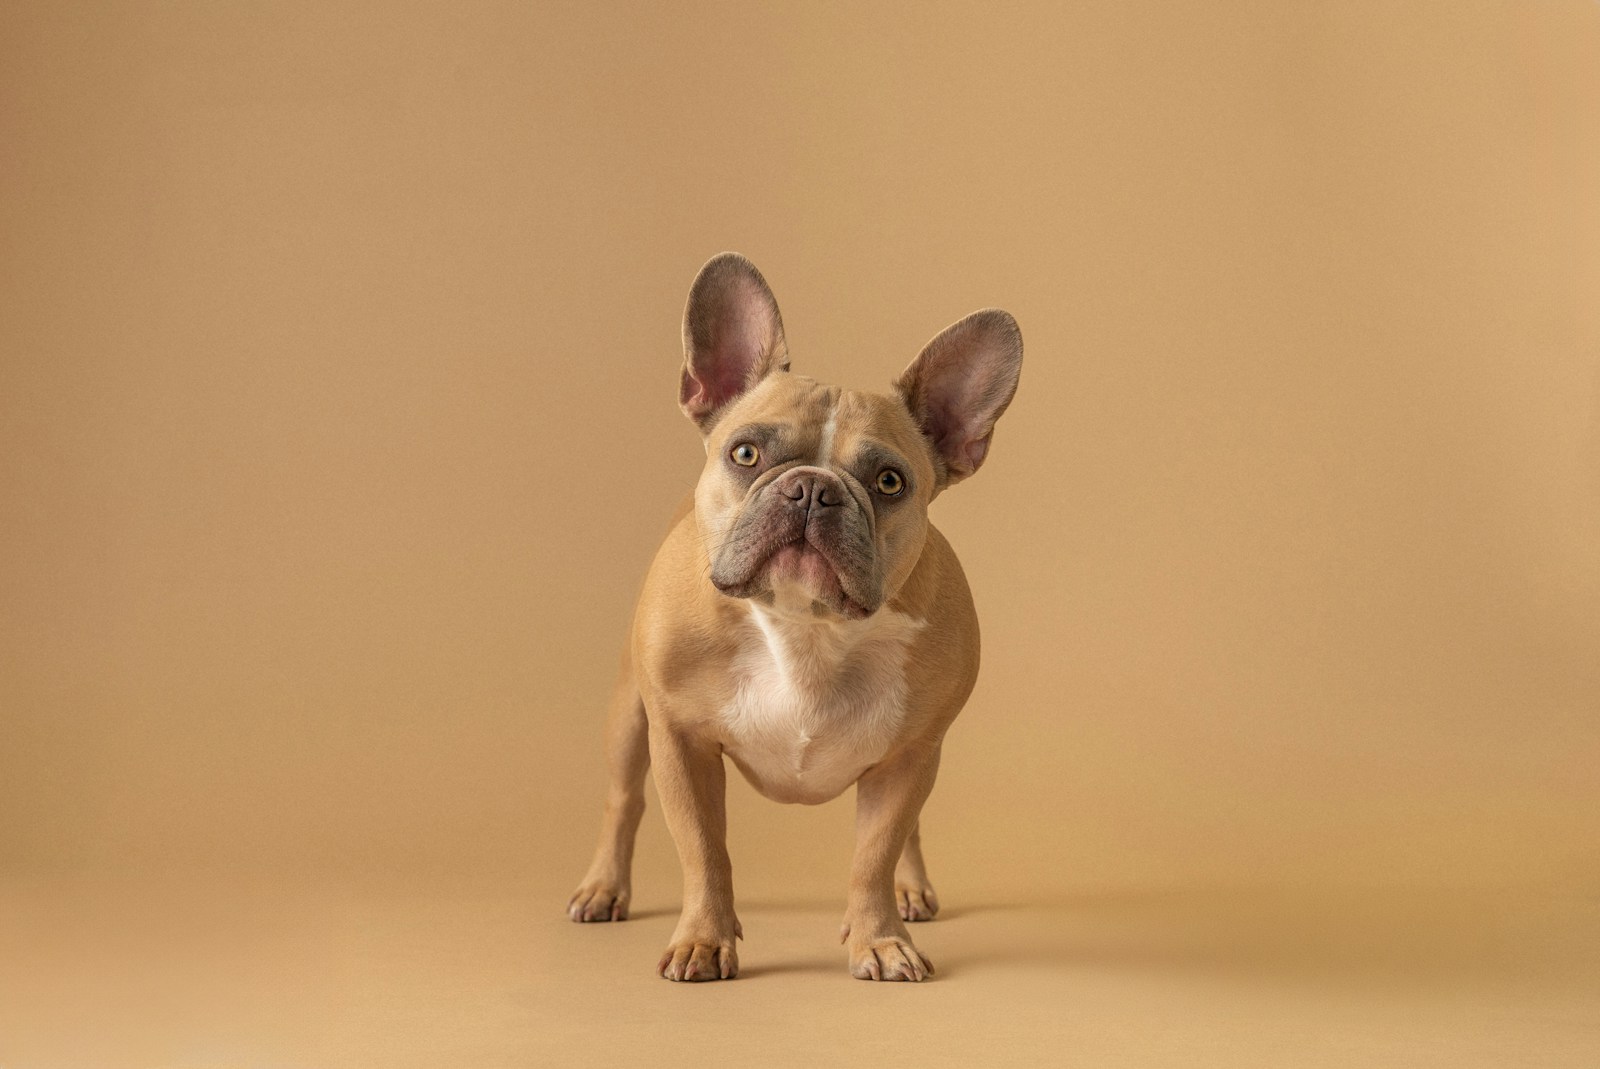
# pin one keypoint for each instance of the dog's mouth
(804, 565)
(795, 568)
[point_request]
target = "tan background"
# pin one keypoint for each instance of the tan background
(338, 349)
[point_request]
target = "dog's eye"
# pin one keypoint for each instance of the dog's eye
(890, 482)
(745, 454)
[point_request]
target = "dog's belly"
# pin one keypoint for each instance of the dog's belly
(815, 708)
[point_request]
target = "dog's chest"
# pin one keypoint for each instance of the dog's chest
(816, 703)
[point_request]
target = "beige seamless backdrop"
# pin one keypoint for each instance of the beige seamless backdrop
(338, 357)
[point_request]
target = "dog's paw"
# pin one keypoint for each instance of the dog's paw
(885, 957)
(599, 900)
(698, 959)
(915, 902)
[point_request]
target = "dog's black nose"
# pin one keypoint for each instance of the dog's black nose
(811, 488)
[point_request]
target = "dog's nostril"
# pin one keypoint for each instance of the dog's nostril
(810, 491)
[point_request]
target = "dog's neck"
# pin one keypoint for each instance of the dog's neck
(817, 648)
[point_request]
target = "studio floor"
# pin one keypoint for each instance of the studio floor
(200, 973)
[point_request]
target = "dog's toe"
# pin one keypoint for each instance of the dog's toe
(598, 902)
(916, 903)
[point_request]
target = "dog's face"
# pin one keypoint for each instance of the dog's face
(817, 497)
(816, 494)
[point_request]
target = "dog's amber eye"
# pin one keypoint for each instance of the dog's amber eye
(890, 482)
(745, 454)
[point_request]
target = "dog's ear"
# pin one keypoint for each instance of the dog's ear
(732, 337)
(958, 386)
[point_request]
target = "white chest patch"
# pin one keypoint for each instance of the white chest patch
(816, 702)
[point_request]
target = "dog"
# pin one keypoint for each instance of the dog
(803, 619)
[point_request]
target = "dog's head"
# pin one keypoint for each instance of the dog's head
(813, 495)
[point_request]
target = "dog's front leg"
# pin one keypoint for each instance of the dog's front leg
(691, 782)
(888, 799)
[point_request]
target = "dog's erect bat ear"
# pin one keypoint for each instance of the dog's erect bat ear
(958, 386)
(732, 337)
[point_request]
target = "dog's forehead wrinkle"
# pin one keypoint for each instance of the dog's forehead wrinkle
(792, 400)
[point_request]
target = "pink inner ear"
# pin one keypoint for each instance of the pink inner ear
(950, 437)
(692, 395)
(709, 387)
(976, 451)
(741, 350)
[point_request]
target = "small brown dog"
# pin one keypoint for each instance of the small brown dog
(802, 618)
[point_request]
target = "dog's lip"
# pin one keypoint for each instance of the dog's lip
(805, 561)
(752, 584)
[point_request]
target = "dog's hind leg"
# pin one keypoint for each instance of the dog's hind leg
(913, 893)
(607, 886)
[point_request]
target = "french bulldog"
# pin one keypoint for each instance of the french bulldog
(803, 619)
